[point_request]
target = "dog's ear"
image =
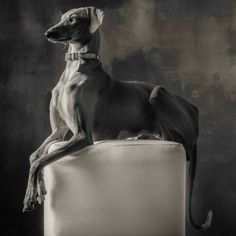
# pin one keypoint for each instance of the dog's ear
(96, 17)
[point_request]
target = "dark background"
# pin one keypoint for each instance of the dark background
(189, 46)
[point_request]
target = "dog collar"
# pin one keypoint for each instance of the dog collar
(78, 56)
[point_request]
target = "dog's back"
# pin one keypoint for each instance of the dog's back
(123, 105)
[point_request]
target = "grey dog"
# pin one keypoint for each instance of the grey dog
(93, 106)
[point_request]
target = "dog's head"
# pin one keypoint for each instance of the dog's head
(76, 25)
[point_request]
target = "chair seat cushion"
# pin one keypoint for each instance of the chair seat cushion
(117, 188)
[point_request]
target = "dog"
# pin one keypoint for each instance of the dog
(93, 106)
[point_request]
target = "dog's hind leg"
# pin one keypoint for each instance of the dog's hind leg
(177, 118)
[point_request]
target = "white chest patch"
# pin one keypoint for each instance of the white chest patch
(71, 70)
(73, 76)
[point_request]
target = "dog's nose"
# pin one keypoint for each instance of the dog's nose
(50, 33)
(47, 33)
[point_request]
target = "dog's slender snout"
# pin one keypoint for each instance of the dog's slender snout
(51, 33)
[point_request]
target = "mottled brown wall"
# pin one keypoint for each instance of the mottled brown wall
(188, 46)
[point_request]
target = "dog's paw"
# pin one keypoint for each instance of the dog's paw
(41, 199)
(30, 199)
(41, 188)
(29, 206)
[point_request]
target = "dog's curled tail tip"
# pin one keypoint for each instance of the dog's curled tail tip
(208, 220)
(205, 225)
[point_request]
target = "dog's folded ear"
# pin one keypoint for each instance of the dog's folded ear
(96, 17)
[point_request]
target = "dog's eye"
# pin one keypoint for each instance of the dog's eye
(73, 19)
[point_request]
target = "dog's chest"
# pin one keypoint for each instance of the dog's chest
(72, 71)
(67, 96)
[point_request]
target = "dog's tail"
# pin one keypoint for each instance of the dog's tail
(178, 121)
(192, 172)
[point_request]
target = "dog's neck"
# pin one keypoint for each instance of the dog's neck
(91, 47)
(84, 65)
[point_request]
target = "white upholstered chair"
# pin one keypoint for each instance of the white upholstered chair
(117, 188)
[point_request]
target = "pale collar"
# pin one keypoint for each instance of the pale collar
(75, 56)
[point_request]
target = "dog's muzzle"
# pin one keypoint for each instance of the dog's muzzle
(78, 56)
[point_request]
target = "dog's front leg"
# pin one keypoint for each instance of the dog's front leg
(76, 143)
(41, 150)
(58, 127)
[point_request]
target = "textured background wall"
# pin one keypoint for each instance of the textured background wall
(189, 46)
